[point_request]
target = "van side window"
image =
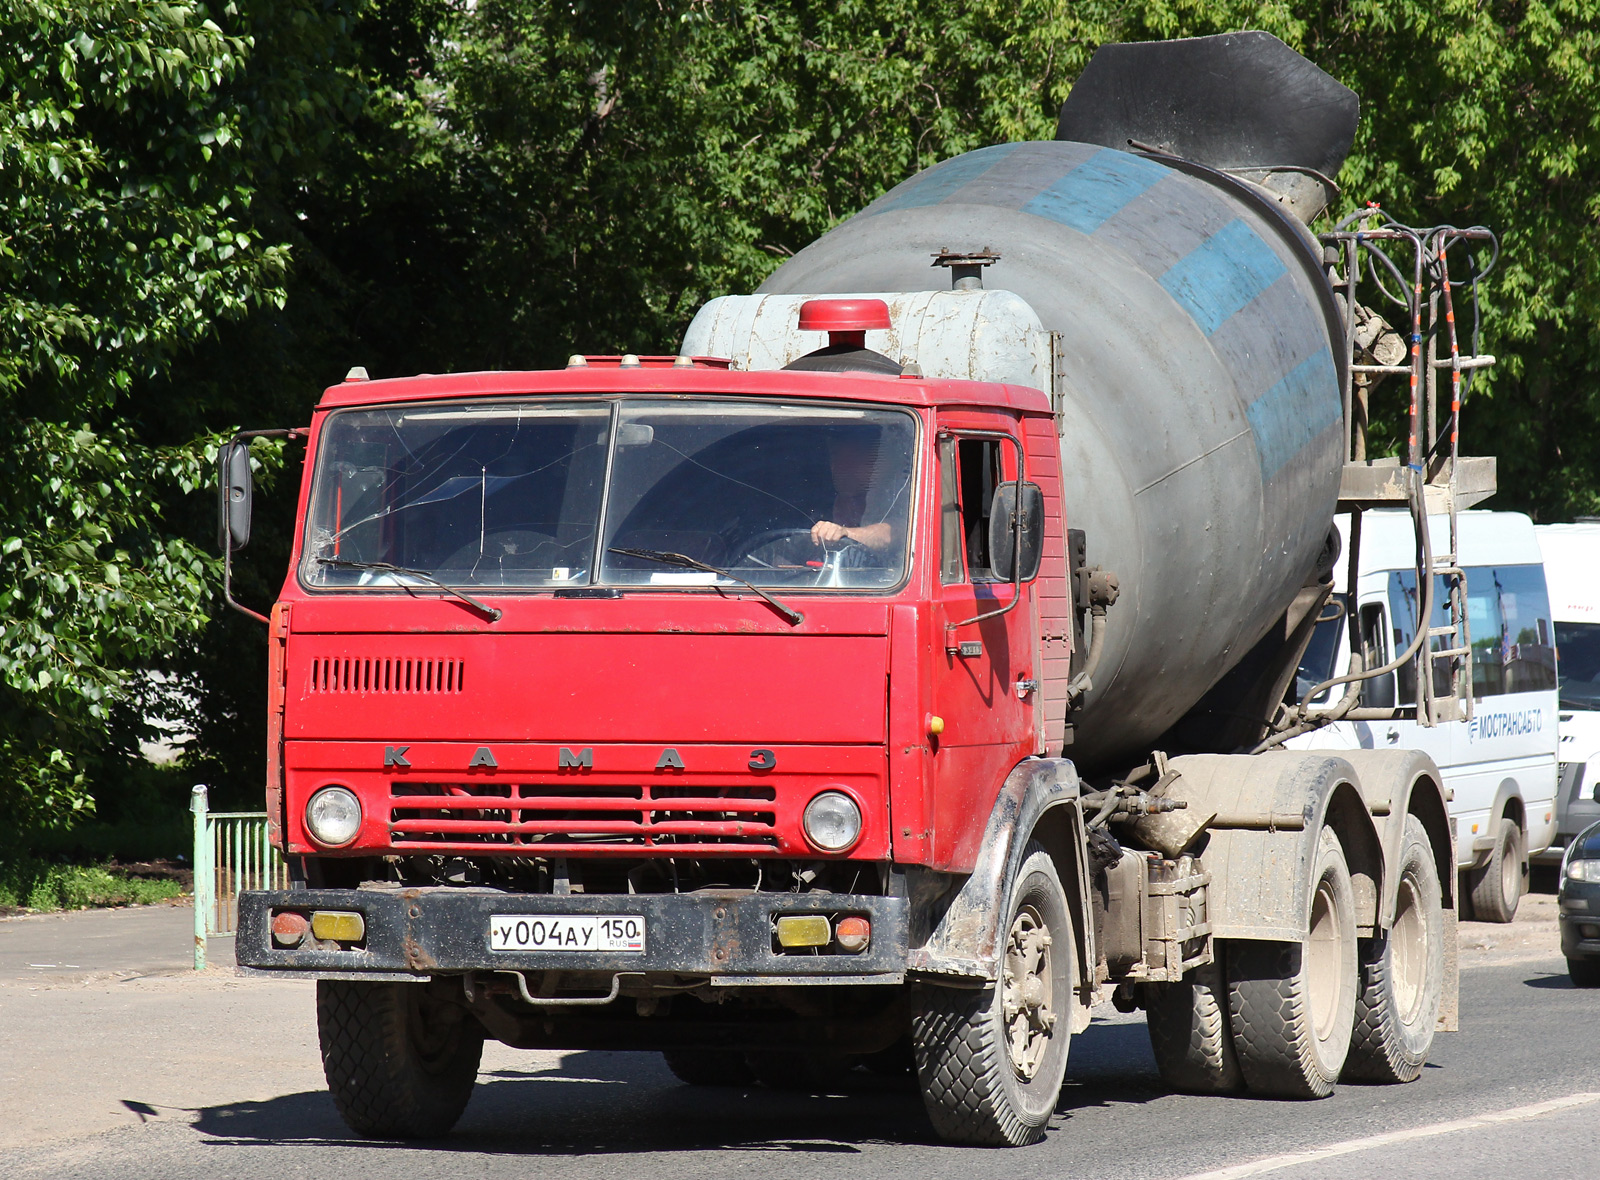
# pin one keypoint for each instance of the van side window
(1523, 647)
(1487, 627)
(970, 470)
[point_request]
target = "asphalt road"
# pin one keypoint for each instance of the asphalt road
(173, 1074)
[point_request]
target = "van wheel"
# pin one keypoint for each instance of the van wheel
(400, 1060)
(708, 1067)
(1189, 1032)
(1497, 886)
(990, 1060)
(1584, 972)
(1292, 1005)
(1402, 975)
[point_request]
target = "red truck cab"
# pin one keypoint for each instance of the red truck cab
(595, 705)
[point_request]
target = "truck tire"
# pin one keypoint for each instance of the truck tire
(1189, 1032)
(1497, 886)
(400, 1062)
(1402, 974)
(1292, 1005)
(990, 1061)
(709, 1067)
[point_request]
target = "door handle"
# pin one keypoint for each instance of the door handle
(1026, 685)
(1393, 735)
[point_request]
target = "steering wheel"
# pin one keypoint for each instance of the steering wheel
(850, 550)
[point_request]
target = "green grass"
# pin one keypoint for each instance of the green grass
(39, 885)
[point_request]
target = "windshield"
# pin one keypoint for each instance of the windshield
(513, 495)
(1579, 667)
(1318, 664)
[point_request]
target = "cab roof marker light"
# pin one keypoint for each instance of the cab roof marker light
(577, 361)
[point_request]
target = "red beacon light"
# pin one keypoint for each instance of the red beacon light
(846, 321)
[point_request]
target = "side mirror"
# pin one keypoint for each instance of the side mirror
(1012, 500)
(235, 491)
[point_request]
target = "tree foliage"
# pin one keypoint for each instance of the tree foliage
(212, 211)
(128, 136)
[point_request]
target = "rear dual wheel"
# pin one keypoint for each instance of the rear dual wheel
(1189, 1032)
(1292, 1005)
(1402, 974)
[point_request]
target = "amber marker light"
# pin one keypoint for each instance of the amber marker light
(338, 926)
(801, 930)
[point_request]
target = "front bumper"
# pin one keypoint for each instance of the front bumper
(724, 935)
(1579, 905)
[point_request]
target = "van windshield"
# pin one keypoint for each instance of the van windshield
(1578, 648)
(541, 494)
(1317, 665)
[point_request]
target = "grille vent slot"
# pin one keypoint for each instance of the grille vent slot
(578, 815)
(344, 675)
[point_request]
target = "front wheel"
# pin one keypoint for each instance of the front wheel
(1402, 978)
(990, 1061)
(1292, 1004)
(400, 1060)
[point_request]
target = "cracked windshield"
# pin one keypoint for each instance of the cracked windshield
(512, 495)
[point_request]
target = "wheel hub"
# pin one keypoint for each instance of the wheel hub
(1027, 989)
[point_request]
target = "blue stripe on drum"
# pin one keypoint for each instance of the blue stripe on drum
(943, 180)
(1096, 190)
(1221, 275)
(1294, 411)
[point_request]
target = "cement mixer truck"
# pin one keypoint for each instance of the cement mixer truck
(904, 666)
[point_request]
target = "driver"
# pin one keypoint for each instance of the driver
(853, 462)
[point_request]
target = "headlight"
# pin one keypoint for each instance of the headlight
(832, 821)
(1583, 870)
(333, 816)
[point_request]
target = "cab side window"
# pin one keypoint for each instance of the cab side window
(969, 471)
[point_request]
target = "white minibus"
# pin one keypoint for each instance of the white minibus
(1500, 765)
(1572, 569)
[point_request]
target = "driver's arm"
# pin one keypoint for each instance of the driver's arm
(873, 536)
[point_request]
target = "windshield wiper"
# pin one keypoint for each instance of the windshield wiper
(682, 559)
(387, 567)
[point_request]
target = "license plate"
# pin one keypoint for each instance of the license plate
(566, 932)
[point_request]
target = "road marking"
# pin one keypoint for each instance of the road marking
(1273, 1163)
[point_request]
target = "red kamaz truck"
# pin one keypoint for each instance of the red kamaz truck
(894, 687)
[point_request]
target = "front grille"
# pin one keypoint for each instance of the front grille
(560, 817)
(387, 675)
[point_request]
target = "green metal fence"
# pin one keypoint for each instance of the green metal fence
(231, 854)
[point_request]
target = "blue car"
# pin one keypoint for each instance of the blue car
(1580, 907)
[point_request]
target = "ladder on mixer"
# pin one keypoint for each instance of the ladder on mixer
(1432, 478)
